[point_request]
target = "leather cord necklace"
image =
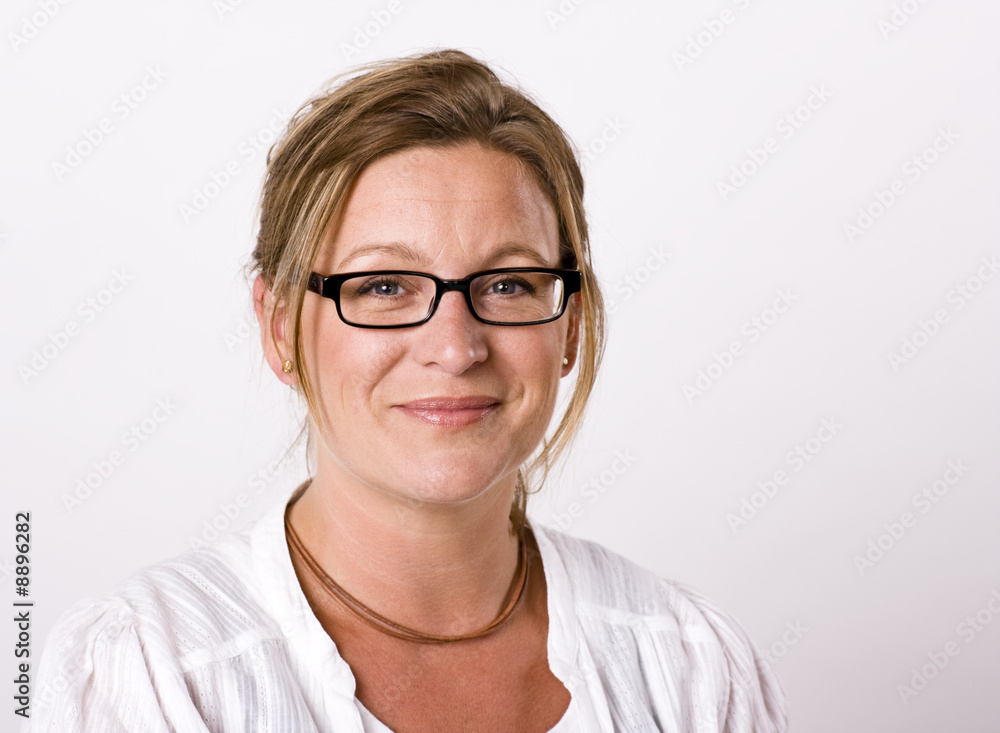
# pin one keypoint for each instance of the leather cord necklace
(380, 622)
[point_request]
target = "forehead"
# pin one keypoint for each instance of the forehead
(444, 204)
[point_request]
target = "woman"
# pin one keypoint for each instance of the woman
(423, 281)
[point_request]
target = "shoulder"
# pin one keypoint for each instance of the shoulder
(126, 651)
(192, 602)
(608, 585)
(632, 618)
(603, 581)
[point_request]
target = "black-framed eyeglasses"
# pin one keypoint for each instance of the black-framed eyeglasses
(509, 296)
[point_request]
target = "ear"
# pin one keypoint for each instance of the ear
(573, 334)
(276, 348)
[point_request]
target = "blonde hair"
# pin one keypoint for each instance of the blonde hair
(443, 98)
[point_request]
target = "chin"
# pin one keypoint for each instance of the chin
(449, 479)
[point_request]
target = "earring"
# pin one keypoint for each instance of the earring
(565, 361)
(286, 367)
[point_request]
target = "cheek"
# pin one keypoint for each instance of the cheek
(536, 359)
(346, 364)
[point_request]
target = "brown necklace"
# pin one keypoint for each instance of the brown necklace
(381, 623)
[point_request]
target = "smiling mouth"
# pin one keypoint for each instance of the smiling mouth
(450, 411)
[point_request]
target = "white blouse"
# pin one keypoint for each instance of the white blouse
(223, 639)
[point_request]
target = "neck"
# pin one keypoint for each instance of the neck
(441, 568)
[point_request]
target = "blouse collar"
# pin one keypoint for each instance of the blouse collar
(315, 653)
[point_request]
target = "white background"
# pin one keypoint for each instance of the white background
(180, 331)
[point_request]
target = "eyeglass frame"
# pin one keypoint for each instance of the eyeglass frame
(328, 286)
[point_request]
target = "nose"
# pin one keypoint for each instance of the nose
(452, 340)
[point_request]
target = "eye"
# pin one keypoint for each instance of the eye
(510, 285)
(381, 286)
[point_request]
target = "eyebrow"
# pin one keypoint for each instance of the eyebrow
(411, 255)
(397, 249)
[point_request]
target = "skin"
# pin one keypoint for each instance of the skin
(411, 517)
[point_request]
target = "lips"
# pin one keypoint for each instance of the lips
(450, 411)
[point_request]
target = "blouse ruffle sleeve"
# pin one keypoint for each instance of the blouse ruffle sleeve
(95, 675)
(657, 655)
(753, 702)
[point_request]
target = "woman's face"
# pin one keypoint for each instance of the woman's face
(390, 398)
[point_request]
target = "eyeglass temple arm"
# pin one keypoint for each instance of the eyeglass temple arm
(315, 283)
